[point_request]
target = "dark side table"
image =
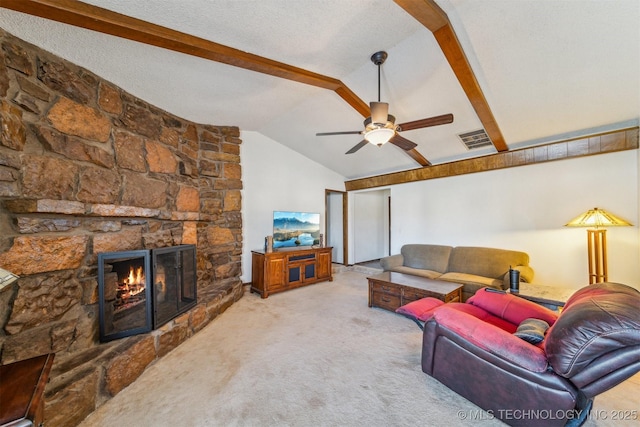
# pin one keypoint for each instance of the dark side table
(552, 297)
(22, 391)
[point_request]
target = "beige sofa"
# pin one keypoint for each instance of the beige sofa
(473, 267)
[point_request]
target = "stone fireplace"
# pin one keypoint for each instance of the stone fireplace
(87, 169)
(142, 290)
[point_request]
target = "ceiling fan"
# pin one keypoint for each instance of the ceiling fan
(380, 127)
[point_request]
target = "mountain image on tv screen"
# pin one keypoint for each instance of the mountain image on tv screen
(292, 229)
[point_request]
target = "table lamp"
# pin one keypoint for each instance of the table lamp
(597, 240)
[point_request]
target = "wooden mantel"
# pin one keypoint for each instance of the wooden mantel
(625, 139)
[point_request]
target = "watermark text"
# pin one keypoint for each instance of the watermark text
(546, 414)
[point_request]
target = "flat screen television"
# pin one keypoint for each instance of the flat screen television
(292, 229)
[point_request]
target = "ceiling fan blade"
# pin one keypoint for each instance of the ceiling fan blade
(379, 112)
(349, 132)
(358, 146)
(425, 123)
(403, 143)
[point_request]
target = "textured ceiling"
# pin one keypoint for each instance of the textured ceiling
(549, 69)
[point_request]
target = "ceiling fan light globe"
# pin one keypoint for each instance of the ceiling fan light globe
(379, 136)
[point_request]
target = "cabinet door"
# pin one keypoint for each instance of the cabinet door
(301, 273)
(295, 274)
(310, 272)
(275, 278)
(324, 265)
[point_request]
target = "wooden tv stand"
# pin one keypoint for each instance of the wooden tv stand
(289, 268)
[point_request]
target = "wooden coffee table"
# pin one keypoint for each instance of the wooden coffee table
(391, 290)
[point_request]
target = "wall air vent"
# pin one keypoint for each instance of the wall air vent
(475, 139)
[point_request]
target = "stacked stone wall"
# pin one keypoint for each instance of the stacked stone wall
(87, 168)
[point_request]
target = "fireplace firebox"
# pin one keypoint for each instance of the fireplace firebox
(141, 290)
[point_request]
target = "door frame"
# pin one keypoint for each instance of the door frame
(345, 222)
(389, 219)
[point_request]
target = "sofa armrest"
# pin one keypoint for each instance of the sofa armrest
(526, 275)
(388, 263)
(492, 339)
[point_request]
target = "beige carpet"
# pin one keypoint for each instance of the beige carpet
(314, 356)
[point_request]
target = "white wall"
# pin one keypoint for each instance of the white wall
(277, 178)
(525, 208)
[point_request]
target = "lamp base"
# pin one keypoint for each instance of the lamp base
(597, 252)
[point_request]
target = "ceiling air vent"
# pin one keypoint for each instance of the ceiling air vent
(475, 139)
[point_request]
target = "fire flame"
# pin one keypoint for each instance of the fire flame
(134, 284)
(138, 279)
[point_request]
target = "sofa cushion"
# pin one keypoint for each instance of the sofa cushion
(427, 257)
(486, 262)
(511, 307)
(490, 338)
(485, 316)
(471, 283)
(429, 274)
(472, 279)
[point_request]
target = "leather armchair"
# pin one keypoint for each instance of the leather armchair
(590, 347)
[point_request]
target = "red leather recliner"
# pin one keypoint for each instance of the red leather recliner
(593, 345)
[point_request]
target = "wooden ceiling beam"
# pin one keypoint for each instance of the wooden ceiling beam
(105, 21)
(429, 14)
(415, 155)
(591, 145)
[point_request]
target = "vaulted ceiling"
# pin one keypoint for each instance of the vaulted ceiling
(528, 71)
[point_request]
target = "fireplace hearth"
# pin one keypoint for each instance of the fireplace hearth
(141, 290)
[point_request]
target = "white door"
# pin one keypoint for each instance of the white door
(370, 225)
